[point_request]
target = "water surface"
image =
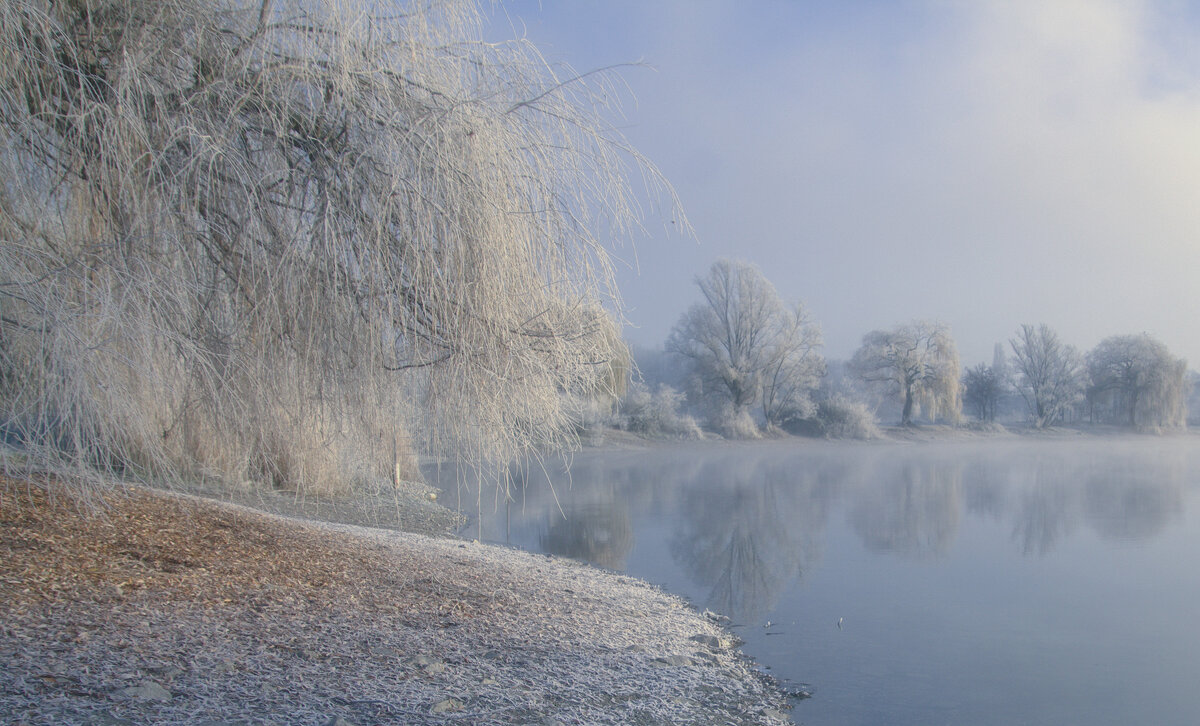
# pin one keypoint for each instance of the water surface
(998, 581)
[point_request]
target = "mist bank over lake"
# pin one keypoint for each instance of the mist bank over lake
(775, 498)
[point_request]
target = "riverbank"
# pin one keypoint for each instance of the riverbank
(898, 433)
(172, 609)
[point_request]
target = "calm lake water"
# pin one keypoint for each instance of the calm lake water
(980, 582)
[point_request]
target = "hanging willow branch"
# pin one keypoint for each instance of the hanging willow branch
(262, 240)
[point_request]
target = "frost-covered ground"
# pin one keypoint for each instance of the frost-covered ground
(167, 609)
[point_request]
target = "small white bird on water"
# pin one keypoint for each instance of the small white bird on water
(839, 623)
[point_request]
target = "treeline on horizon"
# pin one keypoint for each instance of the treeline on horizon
(741, 363)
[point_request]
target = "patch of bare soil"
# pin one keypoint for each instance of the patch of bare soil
(173, 610)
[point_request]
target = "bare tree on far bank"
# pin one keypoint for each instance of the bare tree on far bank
(983, 388)
(1135, 380)
(745, 348)
(794, 368)
(288, 242)
(917, 362)
(1049, 373)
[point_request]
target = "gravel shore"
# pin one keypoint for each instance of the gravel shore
(171, 609)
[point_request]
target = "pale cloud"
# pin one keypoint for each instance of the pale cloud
(1097, 170)
(983, 163)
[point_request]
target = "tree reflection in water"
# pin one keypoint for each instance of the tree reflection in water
(1124, 502)
(743, 522)
(595, 529)
(746, 532)
(912, 509)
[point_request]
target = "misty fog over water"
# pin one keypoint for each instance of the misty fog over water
(1042, 581)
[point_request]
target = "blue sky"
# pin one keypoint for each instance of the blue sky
(985, 164)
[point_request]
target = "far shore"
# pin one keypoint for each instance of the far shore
(898, 433)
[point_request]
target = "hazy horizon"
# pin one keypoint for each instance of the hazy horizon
(982, 164)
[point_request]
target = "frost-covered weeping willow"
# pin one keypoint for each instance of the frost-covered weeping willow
(284, 241)
(918, 362)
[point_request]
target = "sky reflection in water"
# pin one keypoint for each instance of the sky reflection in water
(1001, 581)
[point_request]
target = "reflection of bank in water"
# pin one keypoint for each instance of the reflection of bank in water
(914, 509)
(1126, 502)
(747, 529)
(1124, 490)
(598, 532)
(912, 502)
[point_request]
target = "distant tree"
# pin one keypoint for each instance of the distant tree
(793, 369)
(1049, 373)
(741, 340)
(918, 363)
(1135, 379)
(983, 387)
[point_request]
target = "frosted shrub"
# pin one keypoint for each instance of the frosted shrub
(733, 422)
(657, 414)
(593, 416)
(841, 418)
